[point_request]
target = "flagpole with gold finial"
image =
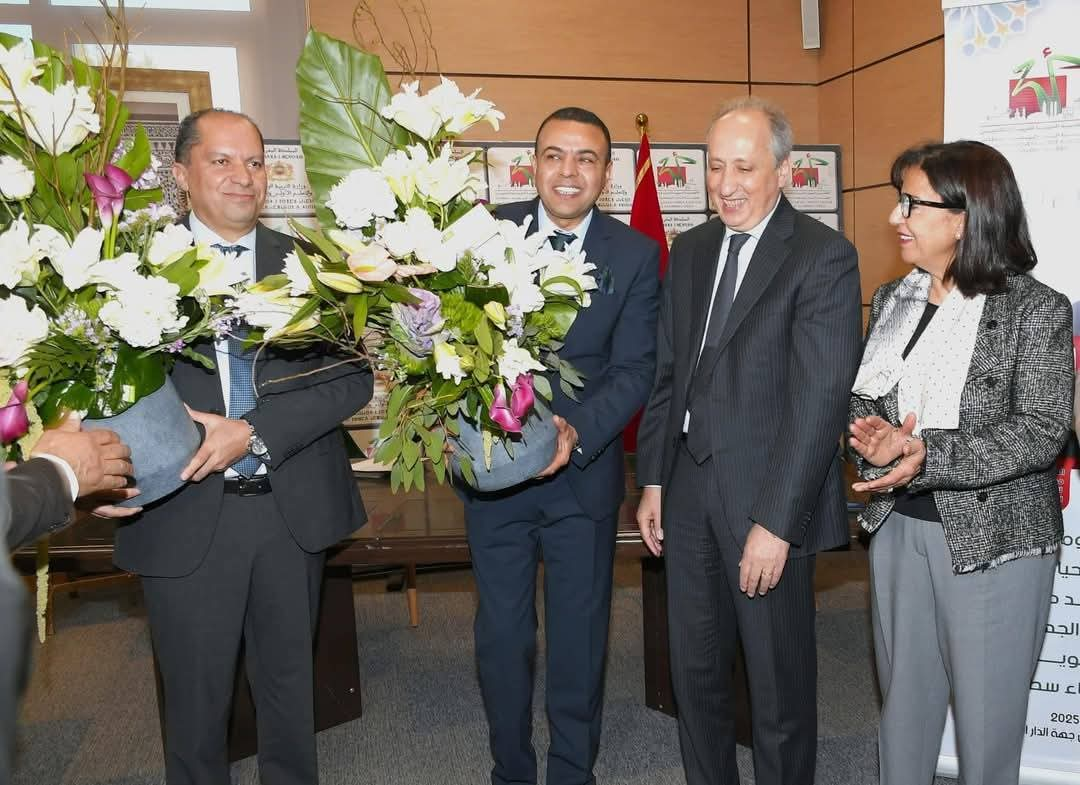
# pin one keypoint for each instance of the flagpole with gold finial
(642, 121)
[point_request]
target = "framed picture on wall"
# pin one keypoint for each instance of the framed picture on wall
(159, 99)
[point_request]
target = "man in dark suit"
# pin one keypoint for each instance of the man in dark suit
(758, 345)
(37, 497)
(238, 552)
(568, 516)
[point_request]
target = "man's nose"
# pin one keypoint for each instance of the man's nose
(241, 174)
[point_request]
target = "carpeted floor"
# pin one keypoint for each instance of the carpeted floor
(89, 717)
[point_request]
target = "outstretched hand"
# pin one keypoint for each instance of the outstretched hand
(878, 441)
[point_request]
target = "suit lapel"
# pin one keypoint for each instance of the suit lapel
(270, 249)
(595, 243)
(986, 355)
(769, 256)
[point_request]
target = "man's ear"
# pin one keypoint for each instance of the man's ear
(179, 173)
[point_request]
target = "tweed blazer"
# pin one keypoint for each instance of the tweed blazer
(993, 477)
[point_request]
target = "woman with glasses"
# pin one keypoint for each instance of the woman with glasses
(962, 401)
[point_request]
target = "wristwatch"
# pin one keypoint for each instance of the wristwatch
(256, 446)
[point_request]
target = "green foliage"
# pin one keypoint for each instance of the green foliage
(341, 92)
(460, 312)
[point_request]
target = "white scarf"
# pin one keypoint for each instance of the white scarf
(932, 377)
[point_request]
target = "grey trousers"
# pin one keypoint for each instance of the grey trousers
(974, 637)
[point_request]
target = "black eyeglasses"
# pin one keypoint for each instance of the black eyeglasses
(907, 201)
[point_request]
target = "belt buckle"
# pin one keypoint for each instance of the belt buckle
(253, 486)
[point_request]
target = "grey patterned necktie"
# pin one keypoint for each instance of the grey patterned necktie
(698, 438)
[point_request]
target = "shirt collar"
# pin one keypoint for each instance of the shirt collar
(759, 230)
(204, 235)
(547, 227)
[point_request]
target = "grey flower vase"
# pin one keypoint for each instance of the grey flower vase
(533, 450)
(162, 437)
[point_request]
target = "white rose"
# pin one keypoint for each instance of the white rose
(18, 262)
(168, 244)
(299, 281)
(16, 181)
(76, 262)
(448, 362)
(23, 328)
(221, 273)
(413, 112)
(515, 361)
(59, 120)
(272, 311)
(144, 310)
(402, 238)
(20, 68)
(359, 197)
(443, 178)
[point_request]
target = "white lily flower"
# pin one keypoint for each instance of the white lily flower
(169, 243)
(299, 281)
(222, 273)
(448, 362)
(412, 111)
(59, 120)
(444, 178)
(272, 312)
(20, 68)
(515, 361)
(574, 267)
(77, 261)
(458, 112)
(18, 260)
(399, 168)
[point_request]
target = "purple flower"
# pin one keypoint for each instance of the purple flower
(521, 396)
(14, 422)
(420, 323)
(108, 190)
(500, 413)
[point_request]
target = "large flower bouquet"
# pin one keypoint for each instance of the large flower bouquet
(463, 312)
(99, 290)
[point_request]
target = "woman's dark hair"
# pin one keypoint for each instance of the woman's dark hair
(978, 180)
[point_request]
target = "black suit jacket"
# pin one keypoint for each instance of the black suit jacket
(39, 500)
(298, 418)
(612, 344)
(779, 389)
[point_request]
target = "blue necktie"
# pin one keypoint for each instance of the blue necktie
(241, 388)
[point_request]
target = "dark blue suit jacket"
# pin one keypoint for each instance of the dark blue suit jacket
(298, 419)
(613, 345)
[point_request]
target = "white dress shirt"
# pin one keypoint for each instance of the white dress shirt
(204, 235)
(547, 227)
(746, 254)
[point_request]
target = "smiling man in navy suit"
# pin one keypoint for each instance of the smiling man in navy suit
(569, 514)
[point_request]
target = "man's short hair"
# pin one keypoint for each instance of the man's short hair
(779, 126)
(577, 115)
(188, 134)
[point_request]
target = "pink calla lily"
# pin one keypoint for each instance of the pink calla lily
(108, 190)
(14, 422)
(500, 413)
(521, 396)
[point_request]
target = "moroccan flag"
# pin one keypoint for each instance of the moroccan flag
(645, 217)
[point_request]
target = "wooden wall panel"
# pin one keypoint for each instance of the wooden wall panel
(875, 237)
(835, 122)
(897, 103)
(883, 28)
(678, 39)
(678, 111)
(776, 53)
(836, 38)
(800, 103)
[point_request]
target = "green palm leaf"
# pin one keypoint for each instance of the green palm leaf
(341, 91)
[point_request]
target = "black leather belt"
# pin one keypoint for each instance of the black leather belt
(242, 486)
